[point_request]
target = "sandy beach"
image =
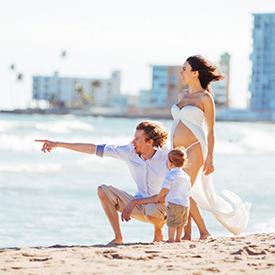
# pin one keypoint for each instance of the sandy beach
(251, 254)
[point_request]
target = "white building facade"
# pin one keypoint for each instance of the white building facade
(64, 89)
(262, 85)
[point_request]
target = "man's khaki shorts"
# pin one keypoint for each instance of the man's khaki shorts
(121, 198)
(177, 215)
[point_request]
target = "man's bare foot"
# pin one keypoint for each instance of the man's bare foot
(177, 240)
(206, 237)
(159, 236)
(186, 238)
(115, 241)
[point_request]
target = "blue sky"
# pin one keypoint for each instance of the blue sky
(101, 36)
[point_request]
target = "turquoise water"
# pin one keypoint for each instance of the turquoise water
(48, 199)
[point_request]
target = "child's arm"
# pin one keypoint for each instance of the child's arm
(162, 194)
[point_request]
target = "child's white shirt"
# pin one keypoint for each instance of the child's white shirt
(179, 185)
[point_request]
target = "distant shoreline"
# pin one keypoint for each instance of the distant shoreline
(221, 115)
(250, 254)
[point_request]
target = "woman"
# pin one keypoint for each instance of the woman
(196, 106)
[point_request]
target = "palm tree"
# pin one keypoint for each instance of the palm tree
(16, 82)
(19, 79)
(19, 76)
(11, 84)
(95, 84)
(52, 101)
(63, 54)
(85, 98)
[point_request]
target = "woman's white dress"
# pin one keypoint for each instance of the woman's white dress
(234, 218)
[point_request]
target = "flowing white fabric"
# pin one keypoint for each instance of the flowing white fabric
(234, 218)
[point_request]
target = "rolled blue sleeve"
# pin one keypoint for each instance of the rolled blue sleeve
(114, 151)
(100, 150)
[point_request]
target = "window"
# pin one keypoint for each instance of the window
(173, 79)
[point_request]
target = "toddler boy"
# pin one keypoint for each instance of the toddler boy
(177, 188)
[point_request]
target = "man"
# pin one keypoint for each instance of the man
(146, 159)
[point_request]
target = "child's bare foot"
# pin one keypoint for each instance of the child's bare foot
(170, 241)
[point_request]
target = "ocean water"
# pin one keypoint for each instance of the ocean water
(48, 199)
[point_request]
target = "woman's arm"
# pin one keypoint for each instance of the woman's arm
(88, 148)
(209, 113)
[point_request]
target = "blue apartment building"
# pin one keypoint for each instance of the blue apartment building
(262, 85)
(166, 85)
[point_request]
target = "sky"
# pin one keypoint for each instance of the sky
(100, 36)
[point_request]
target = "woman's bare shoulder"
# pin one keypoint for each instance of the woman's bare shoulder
(207, 101)
(206, 96)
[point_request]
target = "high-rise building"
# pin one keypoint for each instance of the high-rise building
(68, 90)
(221, 88)
(166, 85)
(262, 85)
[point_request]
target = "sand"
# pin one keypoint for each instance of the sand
(251, 254)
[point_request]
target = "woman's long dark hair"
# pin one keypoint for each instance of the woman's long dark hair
(207, 71)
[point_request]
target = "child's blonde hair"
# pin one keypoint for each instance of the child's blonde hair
(178, 157)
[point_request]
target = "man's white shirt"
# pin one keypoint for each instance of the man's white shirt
(148, 174)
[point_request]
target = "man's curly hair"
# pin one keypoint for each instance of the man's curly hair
(154, 130)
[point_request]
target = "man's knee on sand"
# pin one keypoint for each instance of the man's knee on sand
(157, 222)
(155, 213)
(101, 194)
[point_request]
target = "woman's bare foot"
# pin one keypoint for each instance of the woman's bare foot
(115, 241)
(206, 237)
(186, 238)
